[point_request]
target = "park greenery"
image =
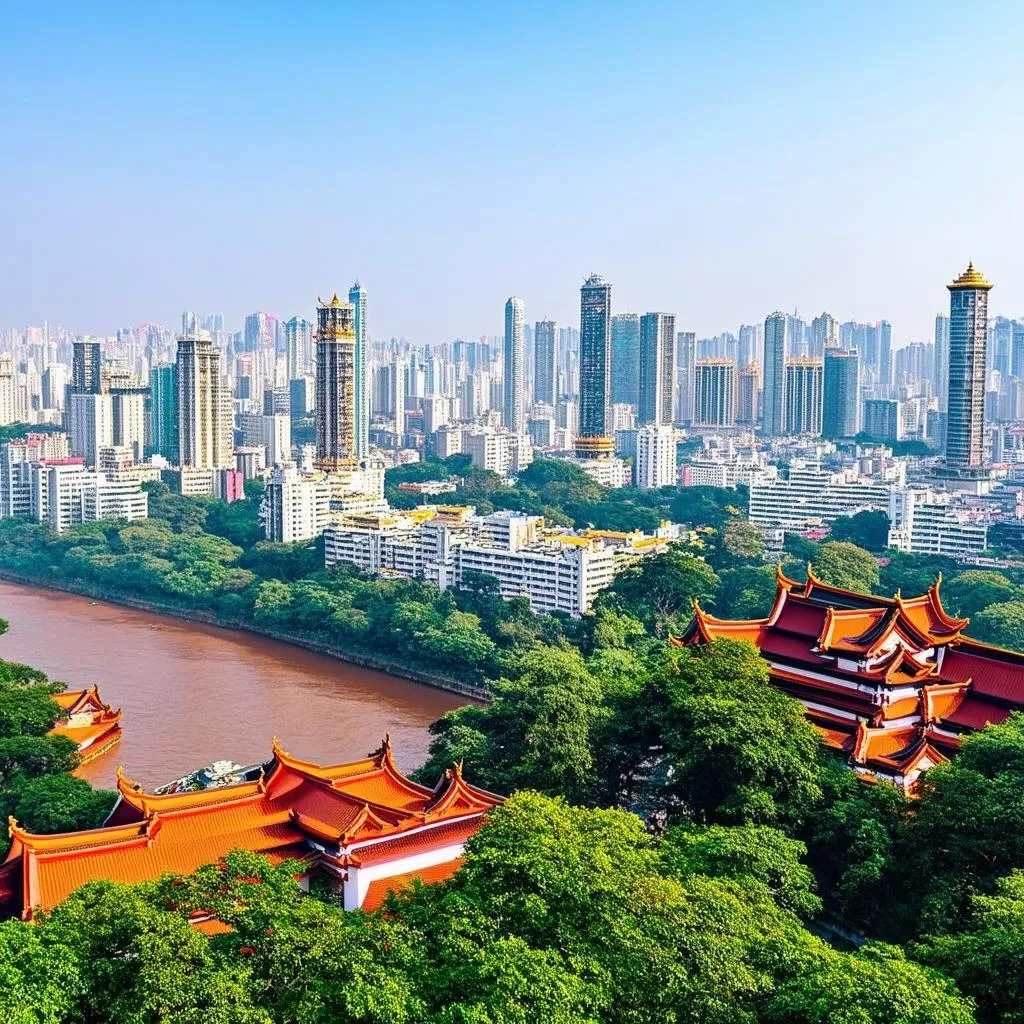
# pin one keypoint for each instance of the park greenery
(678, 840)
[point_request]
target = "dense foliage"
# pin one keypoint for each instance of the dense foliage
(559, 914)
(34, 785)
(677, 821)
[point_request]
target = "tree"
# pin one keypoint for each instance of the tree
(746, 592)
(751, 853)
(987, 959)
(846, 565)
(661, 589)
(734, 749)
(971, 592)
(56, 803)
(1001, 624)
(27, 710)
(876, 985)
(966, 830)
(537, 732)
(40, 982)
(868, 529)
(742, 539)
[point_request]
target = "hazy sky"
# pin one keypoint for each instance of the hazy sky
(717, 160)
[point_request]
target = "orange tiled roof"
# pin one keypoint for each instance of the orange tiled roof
(379, 889)
(346, 810)
(93, 726)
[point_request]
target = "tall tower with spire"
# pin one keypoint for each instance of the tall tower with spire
(965, 399)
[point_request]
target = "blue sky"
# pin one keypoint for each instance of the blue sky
(715, 160)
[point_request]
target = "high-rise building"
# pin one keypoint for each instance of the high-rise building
(773, 403)
(129, 419)
(747, 392)
(8, 411)
(840, 416)
(884, 358)
(655, 456)
(595, 437)
(941, 359)
(657, 368)
(803, 396)
(256, 333)
(335, 385)
(86, 367)
(513, 411)
(163, 412)
(545, 363)
(965, 406)
(298, 339)
(715, 393)
(357, 296)
(626, 359)
(748, 348)
(824, 334)
(90, 425)
(205, 429)
(882, 420)
(686, 359)
(1017, 349)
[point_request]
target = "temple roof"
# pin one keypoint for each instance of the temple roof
(355, 810)
(900, 668)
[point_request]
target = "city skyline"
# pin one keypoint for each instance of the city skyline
(184, 197)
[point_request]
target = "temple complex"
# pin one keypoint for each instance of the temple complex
(893, 684)
(363, 826)
(93, 726)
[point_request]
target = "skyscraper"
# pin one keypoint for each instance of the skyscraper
(163, 412)
(545, 363)
(965, 408)
(747, 393)
(686, 359)
(513, 411)
(824, 334)
(298, 334)
(626, 359)
(941, 359)
(335, 385)
(715, 393)
(86, 367)
(841, 405)
(256, 335)
(803, 391)
(205, 430)
(884, 357)
(594, 438)
(357, 296)
(773, 403)
(657, 368)
(748, 347)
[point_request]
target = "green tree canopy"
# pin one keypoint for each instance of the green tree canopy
(846, 565)
(868, 529)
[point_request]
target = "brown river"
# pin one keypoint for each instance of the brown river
(192, 694)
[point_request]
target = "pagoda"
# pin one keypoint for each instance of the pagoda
(362, 826)
(892, 684)
(94, 727)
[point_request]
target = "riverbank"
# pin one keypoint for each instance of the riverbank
(363, 659)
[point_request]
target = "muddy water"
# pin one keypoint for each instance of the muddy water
(192, 694)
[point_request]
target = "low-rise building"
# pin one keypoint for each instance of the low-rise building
(555, 569)
(811, 495)
(935, 523)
